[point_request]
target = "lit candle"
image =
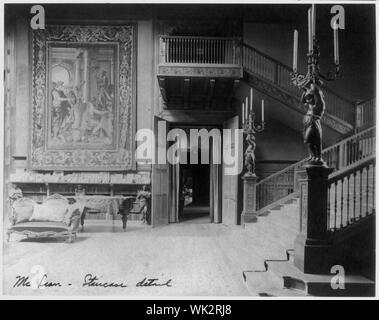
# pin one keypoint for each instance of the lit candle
(251, 99)
(313, 21)
(309, 31)
(295, 47)
(263, 110)
(336, 49)
(247, 104)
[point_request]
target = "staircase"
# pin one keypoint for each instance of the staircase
(351, 207)
(351, 190)
(273, 78)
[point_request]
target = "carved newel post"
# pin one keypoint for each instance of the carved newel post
(311, 242)
(249, 213)
(311, 247)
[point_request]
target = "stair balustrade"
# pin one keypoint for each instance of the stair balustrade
(338, 156)
(365, 114)
(337, 215)
(351, 194)
(279, 74)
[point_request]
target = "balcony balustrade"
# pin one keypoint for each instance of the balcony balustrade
(200, 57)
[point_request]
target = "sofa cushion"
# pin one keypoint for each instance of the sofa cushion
(38, 226)
(48, 212)
(22, 214)
(22, 209)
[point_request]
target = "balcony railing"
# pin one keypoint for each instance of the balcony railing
(199, 50)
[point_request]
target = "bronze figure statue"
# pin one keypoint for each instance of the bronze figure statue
(313, 100)
(250, 153)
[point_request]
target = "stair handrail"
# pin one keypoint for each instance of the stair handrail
(341, 155)
(347, 116)
(341, 197)
(365, 113)
(337, 175)
(290, 69)
(299, 163)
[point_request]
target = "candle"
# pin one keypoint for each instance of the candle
(310, 46)
(263, 110)
(246, 112)
(336, 49)
(243, 113)
(251, 99)
(295, 47)
(247, 103)
(313, 21)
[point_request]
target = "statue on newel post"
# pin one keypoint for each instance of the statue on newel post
(250, 153)
(250, 128)
(313, 100)
(311, 245)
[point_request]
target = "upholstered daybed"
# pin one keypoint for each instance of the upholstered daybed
(56, 217)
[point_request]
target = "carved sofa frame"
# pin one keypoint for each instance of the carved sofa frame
(43, 229)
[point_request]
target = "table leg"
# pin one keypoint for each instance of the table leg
(83, 217)
(124, 221)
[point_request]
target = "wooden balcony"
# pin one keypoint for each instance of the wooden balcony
(199, 72)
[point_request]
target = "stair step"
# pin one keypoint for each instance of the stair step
(268, 284)
(320, 284)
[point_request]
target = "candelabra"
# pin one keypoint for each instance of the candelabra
(250, 128)
(311, 84)
(314, 75)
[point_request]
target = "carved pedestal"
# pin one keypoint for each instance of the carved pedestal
(310, 244)
(249, 213)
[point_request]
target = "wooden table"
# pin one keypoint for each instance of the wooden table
(108, 204)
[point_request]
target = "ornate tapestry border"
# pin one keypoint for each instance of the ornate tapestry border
(40, 158)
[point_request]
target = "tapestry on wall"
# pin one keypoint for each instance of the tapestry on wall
(83, 98)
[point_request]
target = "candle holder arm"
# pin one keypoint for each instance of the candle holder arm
(332, 74)
(259, 127)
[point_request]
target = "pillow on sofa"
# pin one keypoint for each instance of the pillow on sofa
(22, 213)
(43, 212)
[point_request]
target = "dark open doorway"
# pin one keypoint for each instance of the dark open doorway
(194, 193)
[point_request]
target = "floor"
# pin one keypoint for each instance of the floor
(199, 259)
(195, 214)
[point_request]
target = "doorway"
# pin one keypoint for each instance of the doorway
(194, 193)
(195, 189)
(219, 204)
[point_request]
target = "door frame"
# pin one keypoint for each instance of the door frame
(217, 216)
